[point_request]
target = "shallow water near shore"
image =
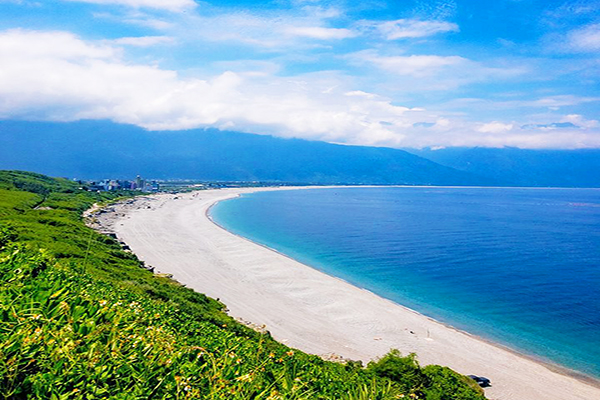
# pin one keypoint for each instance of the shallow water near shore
(518, 266)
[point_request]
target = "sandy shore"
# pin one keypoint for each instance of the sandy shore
(310, 310)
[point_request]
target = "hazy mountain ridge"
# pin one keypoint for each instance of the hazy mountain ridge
(99, 149)
(96, 149)
(522, 167)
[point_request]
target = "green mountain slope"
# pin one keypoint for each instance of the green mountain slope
(79, 319)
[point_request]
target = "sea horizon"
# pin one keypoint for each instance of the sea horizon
(245, 216)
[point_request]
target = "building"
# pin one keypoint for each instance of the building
(139, 183)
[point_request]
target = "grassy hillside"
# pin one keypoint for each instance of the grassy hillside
(80, 319)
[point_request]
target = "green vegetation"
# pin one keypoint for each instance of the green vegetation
(79, 319)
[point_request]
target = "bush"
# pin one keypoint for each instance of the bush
(405, 371)
(445, 384)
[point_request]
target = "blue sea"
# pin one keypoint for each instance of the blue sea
(517, 266)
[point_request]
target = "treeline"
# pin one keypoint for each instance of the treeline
(79, 319)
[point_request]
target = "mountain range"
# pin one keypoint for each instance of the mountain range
(101, 149)
(98, 149)
(522, 167)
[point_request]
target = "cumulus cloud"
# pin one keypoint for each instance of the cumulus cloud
(409, 28)
(76, 79)
(169, 5)
(86, 80)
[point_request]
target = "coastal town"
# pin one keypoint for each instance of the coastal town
(171, 186)
(107, 185)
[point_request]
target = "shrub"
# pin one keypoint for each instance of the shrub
(405, 371)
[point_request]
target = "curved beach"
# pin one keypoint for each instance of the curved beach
(310, 310)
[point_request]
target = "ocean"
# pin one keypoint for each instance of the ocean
(518, 266)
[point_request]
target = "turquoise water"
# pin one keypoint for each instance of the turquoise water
(518, 266)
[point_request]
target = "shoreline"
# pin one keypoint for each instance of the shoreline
(553, 366)
(502, 388)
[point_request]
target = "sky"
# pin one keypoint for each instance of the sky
(437, 73)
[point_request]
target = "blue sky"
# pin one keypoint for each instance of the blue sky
(440, 73)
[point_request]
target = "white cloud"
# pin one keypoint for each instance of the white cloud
(552, 103)
(580, 121)
(74, 79)
(169, 5)
(249, 67)
(409, 28)
(317, 32)
(149, 22)
(495, 127)
(85, 80)
(143, 41)
(497, 134)
(433, 72)
(414, 65)
(585, 39)
(64, 45)
(555, 102)
(361, 93)
(305, 27)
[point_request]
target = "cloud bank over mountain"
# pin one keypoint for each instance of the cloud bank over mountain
(306, 69)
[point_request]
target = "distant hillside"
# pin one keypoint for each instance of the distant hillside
(560, 168)
(91, 149)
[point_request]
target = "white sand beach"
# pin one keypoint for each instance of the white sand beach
(310, 310)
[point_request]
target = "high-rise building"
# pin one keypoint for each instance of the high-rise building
(139, 183)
